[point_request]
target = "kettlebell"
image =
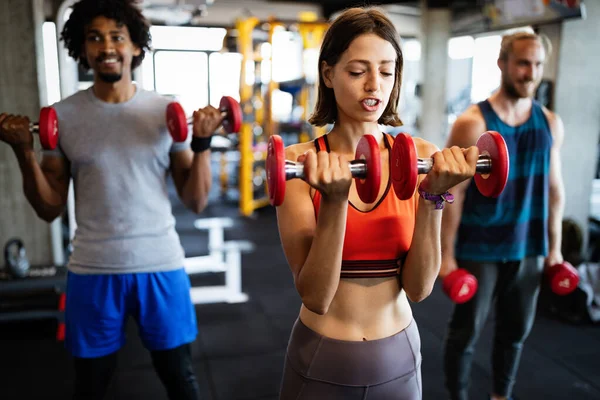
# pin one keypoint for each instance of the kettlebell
(15, 258)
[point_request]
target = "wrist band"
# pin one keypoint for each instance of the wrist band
(439, 199)
(200, 144)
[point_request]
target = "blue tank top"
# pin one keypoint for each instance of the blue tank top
(515, 224)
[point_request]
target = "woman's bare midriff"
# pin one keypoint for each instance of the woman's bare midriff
(362, 309)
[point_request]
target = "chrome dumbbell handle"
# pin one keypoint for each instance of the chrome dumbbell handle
(358, 168)
(484, 165)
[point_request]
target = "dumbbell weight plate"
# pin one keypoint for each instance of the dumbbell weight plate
(276, 170)
(368, 150)
(404, 169)
(563, 278)
(491, 185)
(48, 128)
(233, 119)
(177, 122)
(460, 286)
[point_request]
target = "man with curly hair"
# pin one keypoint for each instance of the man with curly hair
(127, 258)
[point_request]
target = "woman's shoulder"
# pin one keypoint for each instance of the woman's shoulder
(292, 152)
(425, 149)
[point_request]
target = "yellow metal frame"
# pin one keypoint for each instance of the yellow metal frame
(245, 46)
(312, 33)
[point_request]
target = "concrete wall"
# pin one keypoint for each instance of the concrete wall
(21, 80)
(435, 33)
(553, 32)
(459, 77)
(577, 101)
(407, 24)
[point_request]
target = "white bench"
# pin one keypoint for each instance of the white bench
(223, 256)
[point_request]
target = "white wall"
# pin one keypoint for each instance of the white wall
(577, 101)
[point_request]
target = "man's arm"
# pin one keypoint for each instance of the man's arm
(192, 177)
(465, 132)
(45, 185)
(191, 170)
(557, 190)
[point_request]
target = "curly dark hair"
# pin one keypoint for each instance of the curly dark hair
(123, 11)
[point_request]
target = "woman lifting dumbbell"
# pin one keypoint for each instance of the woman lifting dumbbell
(357, 252)
(492, 174)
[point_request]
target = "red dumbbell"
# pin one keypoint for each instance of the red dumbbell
(492, 165)
(46, 128)
(365, 168)
(177, 123)
(562, 277)
(460, 286)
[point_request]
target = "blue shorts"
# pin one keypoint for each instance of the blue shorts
(98, 306)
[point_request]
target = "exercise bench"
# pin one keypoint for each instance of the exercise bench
(223, 256)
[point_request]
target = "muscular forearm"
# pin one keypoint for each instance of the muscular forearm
(319, 277)
(47, 202)
(197, 183)
(557, 202)
(422, 263)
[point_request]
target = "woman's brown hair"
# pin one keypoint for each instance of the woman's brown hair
(352, 23)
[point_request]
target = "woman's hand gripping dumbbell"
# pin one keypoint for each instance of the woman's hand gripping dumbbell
(491, 170)
(365, 169)
(491, 175)
(229, 112)
(17, 130)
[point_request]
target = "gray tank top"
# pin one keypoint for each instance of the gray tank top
(119, 155)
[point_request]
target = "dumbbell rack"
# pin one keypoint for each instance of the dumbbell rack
(224, 256)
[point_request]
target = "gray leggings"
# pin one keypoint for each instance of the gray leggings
(514, 286)
(317, 367)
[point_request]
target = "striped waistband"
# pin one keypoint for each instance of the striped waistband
(370, 268)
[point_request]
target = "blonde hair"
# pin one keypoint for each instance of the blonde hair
(507, 43)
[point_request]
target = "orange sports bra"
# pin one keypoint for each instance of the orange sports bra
(376, 241)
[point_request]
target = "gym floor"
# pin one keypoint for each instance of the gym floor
(240, 348)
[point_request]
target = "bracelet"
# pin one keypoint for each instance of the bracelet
(200, 144)
(439, 199)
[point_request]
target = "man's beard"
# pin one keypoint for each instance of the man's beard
(110, 78)
(511, 90)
